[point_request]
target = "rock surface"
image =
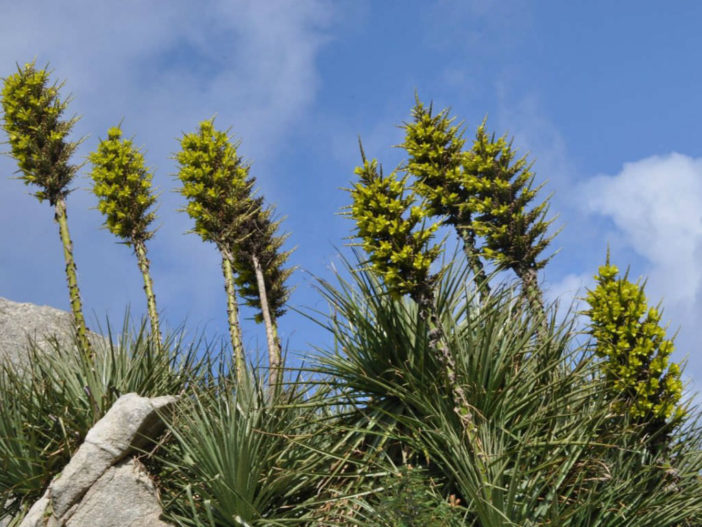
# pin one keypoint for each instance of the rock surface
(124, 496)
(95, 489)
(20, 321)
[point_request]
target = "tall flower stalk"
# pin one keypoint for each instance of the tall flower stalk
(485, 193)
(513, 230)
(395, 236)
(261, 278)
(122, 183)
(216, 184)
(37, 132)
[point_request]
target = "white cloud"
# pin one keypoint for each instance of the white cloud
(651, 209)
(656, 207)
(657, 204)
(165, 66)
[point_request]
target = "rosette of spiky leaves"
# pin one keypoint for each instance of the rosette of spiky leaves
(216, 184)
(393, 230)
(515, 235)
(123, 185)
(633, 347)
(37, 133)
(259, 238)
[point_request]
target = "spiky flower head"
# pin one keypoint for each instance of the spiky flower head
(215, 182)
(502, 190)
(122, 183)
(393, 230)
(259, 237)
(632, 345)
(37, 133)
(434, 145)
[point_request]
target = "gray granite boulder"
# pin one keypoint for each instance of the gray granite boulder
(99, 487)
(124, 496)
(20, 322)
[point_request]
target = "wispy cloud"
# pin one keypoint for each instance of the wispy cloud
(655, 205)
(650, 211)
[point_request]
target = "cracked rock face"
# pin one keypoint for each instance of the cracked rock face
(101, 485)
(124, 496)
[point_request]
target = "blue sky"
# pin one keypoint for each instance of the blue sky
(603, 95)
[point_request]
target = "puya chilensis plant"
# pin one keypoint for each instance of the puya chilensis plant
(633, 349)
(434, 145)
(122, 183)
(514, 231)
(216, 184)
(261, 277)
(483, 192)
(38, 137)
(395, 235)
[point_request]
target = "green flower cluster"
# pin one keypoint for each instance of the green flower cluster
(220, 197)
(259, 239)
(123, 185)
(36, 133)
(633, 346)
(216, 184)
(500, 193)
(393, 230)
(435, 149)
(484, 192)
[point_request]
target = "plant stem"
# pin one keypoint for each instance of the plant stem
(438, 344)
(71, 275)
(476, 265)
(233, 316)
(274, 349)
(532, 296)
(140, 250)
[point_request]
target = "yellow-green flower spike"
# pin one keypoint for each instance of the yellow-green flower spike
(38, 141)
(634, 351)
(215, 182)
(501, 192)
(434, 145)
(37, 133)
(392, 229)
(122, 183)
